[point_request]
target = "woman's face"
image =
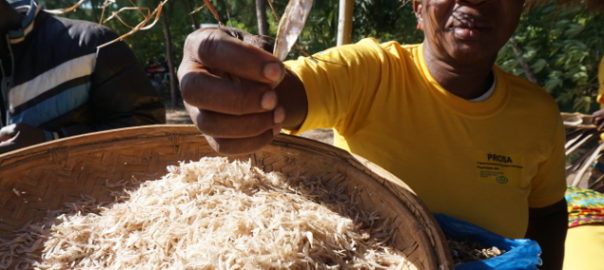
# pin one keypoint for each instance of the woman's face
(467, 30)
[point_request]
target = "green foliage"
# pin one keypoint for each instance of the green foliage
(148, 45)
(386, 20)
(562, 48)
(559, 48)
(321, 28)
(382, 19)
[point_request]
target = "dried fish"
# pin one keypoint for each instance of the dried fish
(211, 214)
(290, 26)
(468, 251)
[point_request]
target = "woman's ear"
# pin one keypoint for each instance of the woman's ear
(417, 10)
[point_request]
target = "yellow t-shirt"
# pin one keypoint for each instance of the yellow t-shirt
(584, 247)
(484, 162)
(601, 80)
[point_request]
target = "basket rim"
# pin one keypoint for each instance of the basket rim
(146, 131)
(390, 182)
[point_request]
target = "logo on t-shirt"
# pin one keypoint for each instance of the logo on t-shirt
(498, 168)
(499, 158)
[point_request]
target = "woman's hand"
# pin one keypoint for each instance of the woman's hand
(598, 119)
(228, 87)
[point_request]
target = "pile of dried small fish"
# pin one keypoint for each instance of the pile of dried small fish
(212, 214)
(467, 251)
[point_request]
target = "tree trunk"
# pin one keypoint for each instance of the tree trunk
(224, 7)
(189, 6)
(261, 17)
(169, 54)
(95, 10)
(345, 22)
(525, 67)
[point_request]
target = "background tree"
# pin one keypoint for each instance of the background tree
(557, 48)
(261, 17)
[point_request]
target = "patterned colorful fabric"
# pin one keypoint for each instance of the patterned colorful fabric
(585, 207)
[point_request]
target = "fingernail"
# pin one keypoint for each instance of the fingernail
(273, 71)
(276, 130)
(279, 115)
(269, 100)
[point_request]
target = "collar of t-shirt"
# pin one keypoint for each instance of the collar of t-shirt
(486, 94)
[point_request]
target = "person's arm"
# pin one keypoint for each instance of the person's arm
(548, 226)
(237, 94)
(598, 119)
(121, 94)
(548, 218)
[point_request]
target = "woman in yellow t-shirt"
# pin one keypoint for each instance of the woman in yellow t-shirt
(601, 81)
(584, 245)
(598, 116)
(473, 141)
(585, 237)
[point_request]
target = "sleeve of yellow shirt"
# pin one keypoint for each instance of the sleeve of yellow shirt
(600, 98)
(549, 185)
(339, 84)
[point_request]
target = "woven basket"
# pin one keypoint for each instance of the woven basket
(44, 177)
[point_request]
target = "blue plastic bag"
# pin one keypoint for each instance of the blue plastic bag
(521, 254)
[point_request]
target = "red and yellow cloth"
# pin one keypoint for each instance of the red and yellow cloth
(585, 207)
(584, 245)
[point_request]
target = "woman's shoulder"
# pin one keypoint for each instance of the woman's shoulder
(373, 48)
(529, 97)
(522, 87)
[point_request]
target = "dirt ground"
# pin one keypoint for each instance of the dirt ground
(180, 116)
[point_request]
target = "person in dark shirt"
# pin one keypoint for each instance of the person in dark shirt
(57, 81)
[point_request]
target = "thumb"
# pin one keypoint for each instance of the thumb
(274, 72)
